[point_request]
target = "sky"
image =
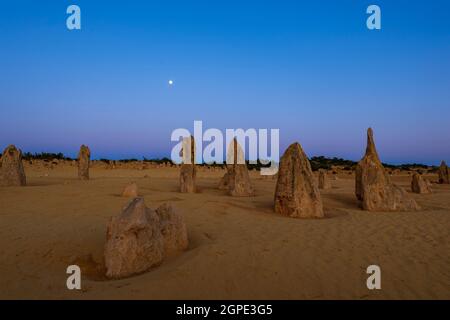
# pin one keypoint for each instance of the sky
(311, 69)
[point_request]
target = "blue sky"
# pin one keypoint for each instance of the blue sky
(310, 68)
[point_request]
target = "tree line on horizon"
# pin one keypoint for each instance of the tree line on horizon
(317, 162)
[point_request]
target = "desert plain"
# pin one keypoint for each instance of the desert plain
(239, 248)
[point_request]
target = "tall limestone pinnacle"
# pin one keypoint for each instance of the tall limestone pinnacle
(373, 186)
(188, 171)
(11, 171)
(237, 179)
(371, 150)
(296, 193)
(84, 159)
(444, 173)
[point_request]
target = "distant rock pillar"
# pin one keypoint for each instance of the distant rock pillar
(84, 158)
(12, 172)
(188, 170)
(237, 179)
(419, 185)
(324, 180)
(444, 174)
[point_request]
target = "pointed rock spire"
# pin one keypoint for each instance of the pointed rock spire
(373, 186)
(296, 193)
(371, 150)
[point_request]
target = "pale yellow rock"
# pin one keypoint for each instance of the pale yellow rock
(130, 190)
(324, 180)
(188, 170)
(12, 171)
(419, 185)
(444, 173)
(84, 162)
(237, 179)
(139, 238)
(296, 193)
(173, 229)
(373, 186)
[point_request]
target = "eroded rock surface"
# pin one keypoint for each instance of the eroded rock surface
(11, 171)
(373, 186)
(139, 238)
(296, 193)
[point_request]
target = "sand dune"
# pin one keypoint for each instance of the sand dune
(239, 248)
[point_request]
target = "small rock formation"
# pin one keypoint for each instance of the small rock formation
(130, 190)
(296, 194)
(236, 180)
(173, 229)
(139, 238)
(444, 173)
(225, 181)
(83, 162)
(188, 171)
(373, 186)
(12, 172)
(419, 185)
(324, 181)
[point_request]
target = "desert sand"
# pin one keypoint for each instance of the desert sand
(239, 247)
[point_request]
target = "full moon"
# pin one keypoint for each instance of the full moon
(170, 82)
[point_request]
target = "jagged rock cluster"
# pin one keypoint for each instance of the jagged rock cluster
(373, 186)
(140, 238)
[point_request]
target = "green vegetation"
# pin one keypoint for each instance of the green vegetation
(44, 156)
(158, 161)
(317, 162)
(322, 162)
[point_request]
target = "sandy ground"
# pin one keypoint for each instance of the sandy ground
(239, 248)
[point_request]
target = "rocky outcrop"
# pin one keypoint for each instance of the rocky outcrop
(237, 179)
(173, 229)
(373, 186)
(419, 185)
(225, 180)
(324, 180)
(84, 157)
(11, 171)
(188, 170)
(130, 190)
(139, 238)
(296, 193)
(444, 173)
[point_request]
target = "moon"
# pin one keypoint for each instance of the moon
(170, 82)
